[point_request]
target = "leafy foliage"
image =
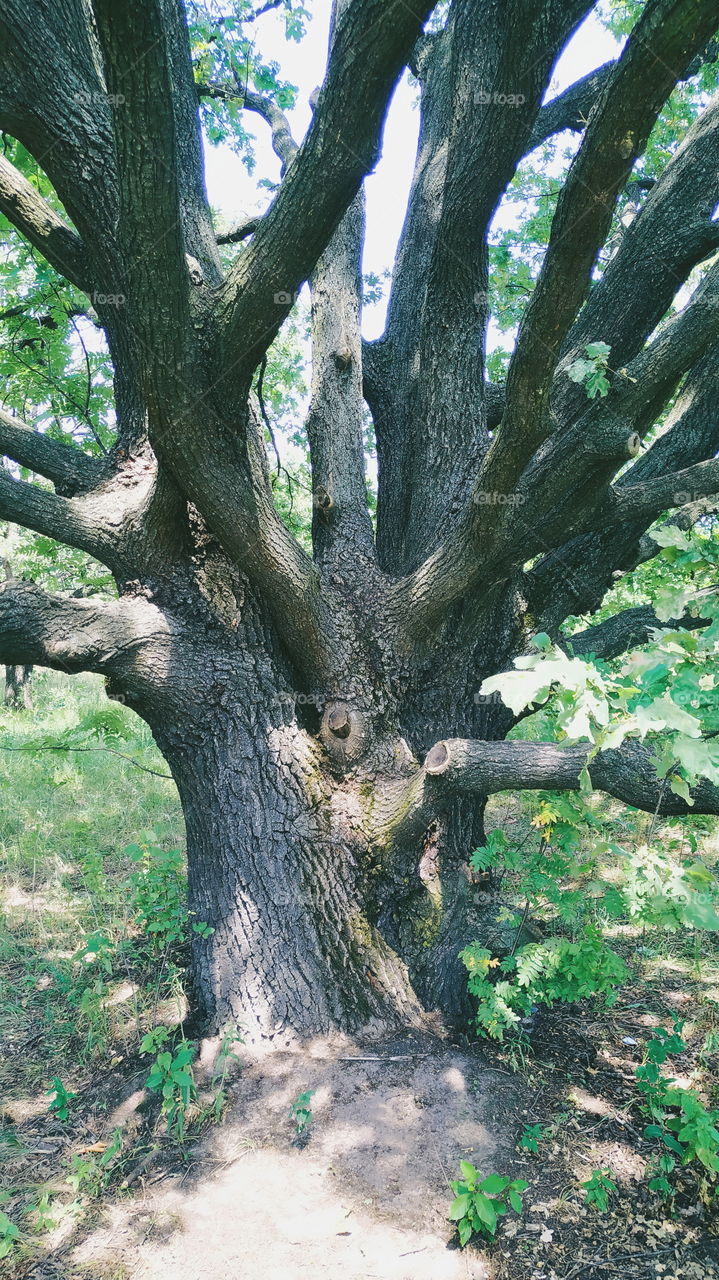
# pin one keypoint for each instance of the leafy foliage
(171, 1076)
(539, 974)
(598, 1188)
(480, 1202)
(661, 691)
(60, 1099)
(531, 1137)
(592, 370)
(10, 1235)
(300, 1111)
(685, 1130)
(578, 882)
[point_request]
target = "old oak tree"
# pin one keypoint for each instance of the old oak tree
(319, 712)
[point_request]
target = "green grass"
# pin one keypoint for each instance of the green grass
(66, 819)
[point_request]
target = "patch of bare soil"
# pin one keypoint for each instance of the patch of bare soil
(364, 1195)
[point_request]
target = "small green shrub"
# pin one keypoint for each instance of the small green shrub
(90, 1173)
(480, 1202)
(598, 1188)
(679, 1121)
(41, 1215)
(531, 1138)
(541, 973)
(301, 1113)
(171, 1076)
(10, 1236)
(159, 897)
(60, 1100)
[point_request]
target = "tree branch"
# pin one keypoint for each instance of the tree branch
(33, 217)
(487, 136)
(624, 631)
(574, 578)
(672, 232)
(70, 470)
(67, 520)
(465, 766)
(371, 45)
(665, 39)
(138, 69)
(647, 500)
(565, 489)
(283, 144)
(245, 229)
(341, 526)
(571, 109)
(106, 636)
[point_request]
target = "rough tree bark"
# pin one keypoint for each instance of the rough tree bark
(319, 714)
(18, 688)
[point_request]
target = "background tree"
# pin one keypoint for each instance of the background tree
(322, 712)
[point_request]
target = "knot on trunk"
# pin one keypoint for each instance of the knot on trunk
(343, 733)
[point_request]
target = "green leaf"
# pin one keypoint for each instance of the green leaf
(460, 1206)
(465, 1231)
(485, 1211)
(469, 1173)
(494, 1184)
(668, 535)
(680, 787)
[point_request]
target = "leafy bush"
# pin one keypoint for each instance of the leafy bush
(159, 897)
(687, 1130)
(541, 973)
(480, 1202)
(171, 1076)
(598, 1188)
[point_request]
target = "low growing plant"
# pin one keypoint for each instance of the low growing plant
(598, 1188)
(541, 973)
(91, 1173)
(301, 1113)
(10, 1236)
(531, 1138)
(171, 1076)
(480, 1202)
(686, 1129)
(60, 1099)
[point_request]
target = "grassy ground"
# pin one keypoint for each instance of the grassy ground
(83, 980)
(76, 991)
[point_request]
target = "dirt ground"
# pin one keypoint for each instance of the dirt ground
(366, 1195)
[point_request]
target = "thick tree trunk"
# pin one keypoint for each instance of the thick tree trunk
(281, 869)
(326, 910)
(18, 687)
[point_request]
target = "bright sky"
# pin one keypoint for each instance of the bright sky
(235, 194)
